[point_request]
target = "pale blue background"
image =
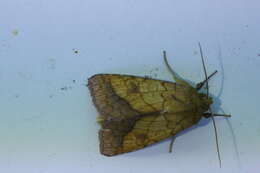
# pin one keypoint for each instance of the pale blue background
(44, 129)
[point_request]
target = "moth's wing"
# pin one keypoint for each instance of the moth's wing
(149, 130)
(136, 111)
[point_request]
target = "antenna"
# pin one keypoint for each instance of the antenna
(211, 115)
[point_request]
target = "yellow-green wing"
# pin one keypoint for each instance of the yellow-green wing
(135, 111)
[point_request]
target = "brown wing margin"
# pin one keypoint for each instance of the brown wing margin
(117, 116)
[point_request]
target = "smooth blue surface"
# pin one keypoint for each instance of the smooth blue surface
(48, 121)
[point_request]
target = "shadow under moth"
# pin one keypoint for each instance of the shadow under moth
(135, 112)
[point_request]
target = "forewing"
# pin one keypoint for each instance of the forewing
(136, 111)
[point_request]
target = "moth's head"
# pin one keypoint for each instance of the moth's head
(206, 101)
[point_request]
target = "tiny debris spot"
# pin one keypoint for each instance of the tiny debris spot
(74, 81)
(15, 32)
(64, 88)
(75, 51)
(51, 63)
(258, 54)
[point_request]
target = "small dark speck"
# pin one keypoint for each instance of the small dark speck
(195, 52)
(17, 95)
(246, 26)
(64, 88)
(74, 81)
(258, 54)
(15, 32)
(75, 51)
(50, 96)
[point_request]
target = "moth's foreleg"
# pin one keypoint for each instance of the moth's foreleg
(201, 84)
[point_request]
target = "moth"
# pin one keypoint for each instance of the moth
(135, 112)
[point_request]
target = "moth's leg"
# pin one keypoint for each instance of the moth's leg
(171, 144)
(175, 76)
(208, 115)
(200, 85)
